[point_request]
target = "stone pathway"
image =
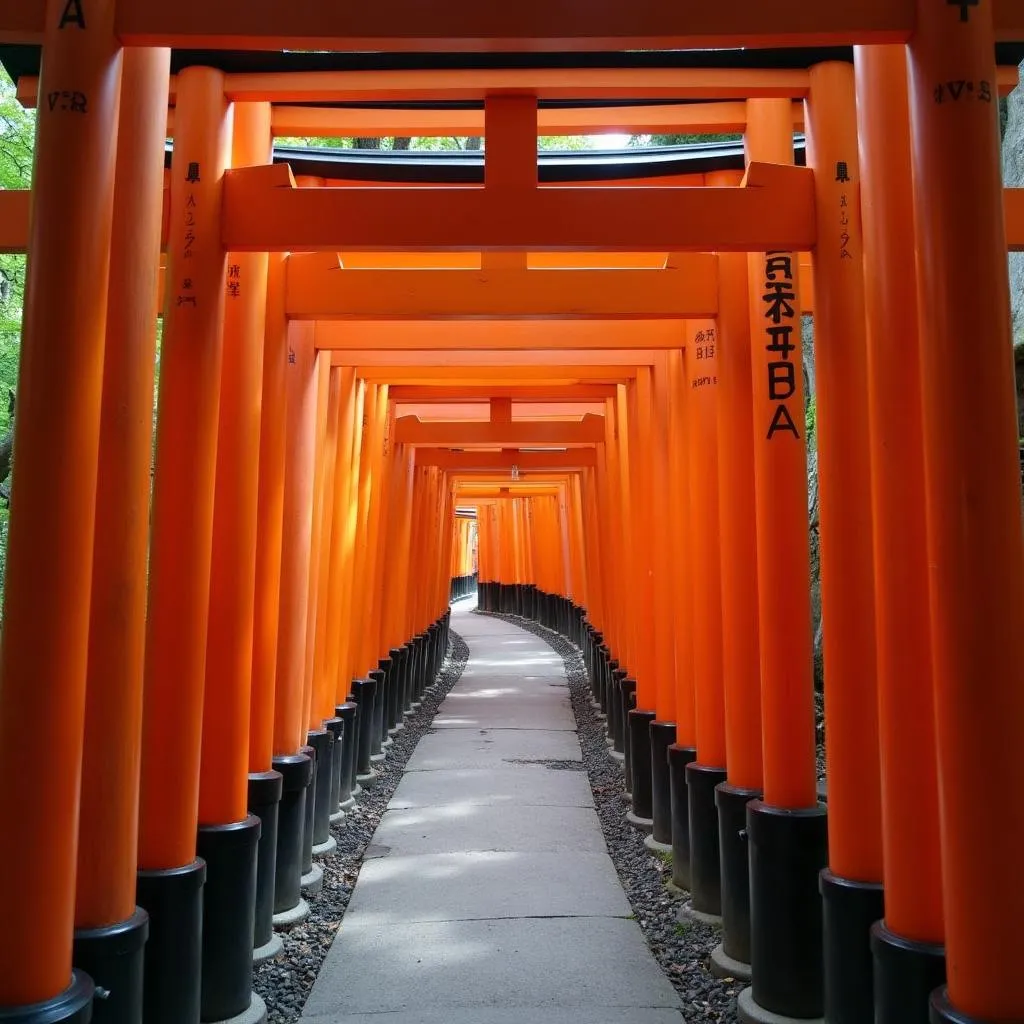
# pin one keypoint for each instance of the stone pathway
(487, 895)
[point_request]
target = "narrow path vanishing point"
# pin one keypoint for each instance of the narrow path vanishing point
(487, 895)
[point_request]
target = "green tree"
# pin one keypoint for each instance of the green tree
(17, 143)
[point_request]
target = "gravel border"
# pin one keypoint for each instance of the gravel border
(285, 983)
(682, 948)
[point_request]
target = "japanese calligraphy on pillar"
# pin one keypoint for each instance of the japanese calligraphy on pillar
(843, 177)
(234, 284)
(780, 322)
(186, 295)
(705, 351)
(961, 90)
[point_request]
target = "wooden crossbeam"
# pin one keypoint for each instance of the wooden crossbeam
(318, 289)
(263, 211)
(535, 25)
(412, 431)
(483, 461)
(535, 393)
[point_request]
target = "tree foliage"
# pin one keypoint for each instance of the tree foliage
(17, 140)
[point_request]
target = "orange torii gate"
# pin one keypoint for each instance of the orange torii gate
(336, 471)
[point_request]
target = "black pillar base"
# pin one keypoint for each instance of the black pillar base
(628, 699)
(229, 905)
(617, 720)
(942, 1011)
(705, 861)
(349, 743)
(395, 708)
(849, 909)
(663, 736)
(322, 741)
(735, 859)
(73, 1006)
(678, 758)
(265, 789)
(113, 958)
(379, 729)
(336, 727)
(788, 849)
(296, 772)
(173, 957)
(363, 693)
(906, 973)
(640, 754)
(309, 812)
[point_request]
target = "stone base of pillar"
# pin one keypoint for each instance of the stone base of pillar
(264, 800)
(367, 781)
(688, 912)
(849, 909)
(113, 958)
(254, 1013)
(906, 974)
(735, 860)
(655, 846)
(750, 1012)
(663, 735)
(326, 848)
(72, 1006)
(705, 861)
(788, 850)
(725, 967)
(173, 955)
(269, 950)
(290, 918)
(678, 758)
(229, 906)
(296, 772)
(313, 881)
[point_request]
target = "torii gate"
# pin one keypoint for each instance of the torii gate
(971, 493)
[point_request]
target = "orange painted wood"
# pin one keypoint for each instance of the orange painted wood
(223, 783)
(319, 290)
(975, 542)
(777, 211)
(105, 886)
(844, 484)
(269, 521)
(780, 488)
(910, 789)
(184, 484)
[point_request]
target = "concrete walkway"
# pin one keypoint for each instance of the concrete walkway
(488, 896)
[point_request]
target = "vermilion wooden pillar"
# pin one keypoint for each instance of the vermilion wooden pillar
(110, 929)
(291, 757)
(49, 568)
(171, 876)
(972, 486)
(786, 829)
(851, 885)
(909, 960)
(708, 770)
(228, 834)
(741, 667)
